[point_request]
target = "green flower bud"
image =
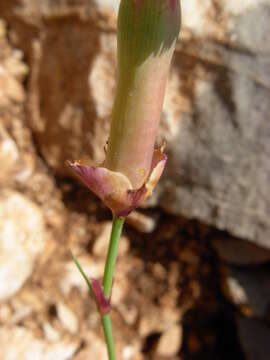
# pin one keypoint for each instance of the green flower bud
(147, 34)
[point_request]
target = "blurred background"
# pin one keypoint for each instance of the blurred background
(193, 274)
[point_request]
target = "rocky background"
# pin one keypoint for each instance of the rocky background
(193, 276)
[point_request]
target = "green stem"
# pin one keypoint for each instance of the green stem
(117, 226)
(112, 255)
(107, 328)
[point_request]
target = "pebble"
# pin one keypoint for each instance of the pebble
(10, 88)
(236, 292)
(51, 334)
(157, 320)
(141, 222)
(22, 238)
(96, 349)
(15, 66)
(9, 156)
(101, 244)
(129, 313)
(5, 313)
(67, 317)
(131, 352)
(170, 342)
(72, 277)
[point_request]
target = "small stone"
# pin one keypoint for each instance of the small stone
(22, 238)
(72, 277)
(15, 66)
(67, 317)
(9, 156)
(21, 314)
(5, 313)
(129, 313)
(132, 352)
(159, 271)
(141, 222)
(28, 297)
(10, 88)
(50, 332)
(157, 320)
(96, 349)
(101, 245)
(123, 246)
(236, 292)
(119, 291)
(170, 342)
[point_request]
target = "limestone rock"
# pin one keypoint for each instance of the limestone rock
(22, 238)
(218, 169)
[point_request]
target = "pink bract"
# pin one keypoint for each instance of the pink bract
(114, 188)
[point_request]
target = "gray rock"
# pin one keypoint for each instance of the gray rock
(258, 38)
(219, 169)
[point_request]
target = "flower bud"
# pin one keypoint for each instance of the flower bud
(147, 34)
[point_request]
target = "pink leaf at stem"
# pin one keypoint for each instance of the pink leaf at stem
(103, 304)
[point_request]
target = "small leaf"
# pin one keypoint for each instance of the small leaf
(96, 290)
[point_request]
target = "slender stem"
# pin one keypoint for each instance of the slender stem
(107, 328)
(117, 226)
(112, 255)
